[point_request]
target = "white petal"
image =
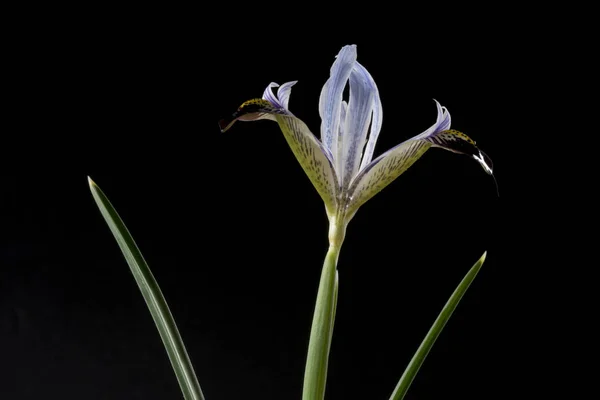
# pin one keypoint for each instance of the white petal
(442, 122)
(376, 123)
(283, 93)
(331, 97)
(360, 110)
(269, 96)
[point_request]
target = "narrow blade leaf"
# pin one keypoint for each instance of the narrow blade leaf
(434, 332)
(153, 296)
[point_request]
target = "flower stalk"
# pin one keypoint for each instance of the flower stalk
(315, 374)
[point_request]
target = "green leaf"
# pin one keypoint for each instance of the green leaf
(434, 332)
(153, 296)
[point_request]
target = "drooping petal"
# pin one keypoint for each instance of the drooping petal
(264, 108)
(314, 158)
(376, 123)
(383, 170)
(387, 167)
(251, 110)
(457, 142)
(330, 101)
(357, 121)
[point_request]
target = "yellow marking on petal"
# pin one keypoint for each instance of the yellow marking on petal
(458, 134)
(258, 102)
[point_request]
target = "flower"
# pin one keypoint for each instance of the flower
(341, 165)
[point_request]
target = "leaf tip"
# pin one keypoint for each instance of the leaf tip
(482, 259)
(91, 182)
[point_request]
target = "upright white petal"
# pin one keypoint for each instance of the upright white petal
(270, 96)
(330, 101)
(360, 110)
(283, 93)
(376, 123)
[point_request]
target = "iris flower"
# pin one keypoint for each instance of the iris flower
(341, 167)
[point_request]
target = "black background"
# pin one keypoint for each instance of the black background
(231, 227)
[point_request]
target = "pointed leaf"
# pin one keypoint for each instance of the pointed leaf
(434, 332)
(152, 294)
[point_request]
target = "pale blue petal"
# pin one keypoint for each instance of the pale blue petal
(270, 97)
(358, 119)
(443, 117)
(376, 123)
(283, 93)
(442, 122)
(331, 97)
(343, 113)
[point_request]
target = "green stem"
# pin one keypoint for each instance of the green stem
(315, 374)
